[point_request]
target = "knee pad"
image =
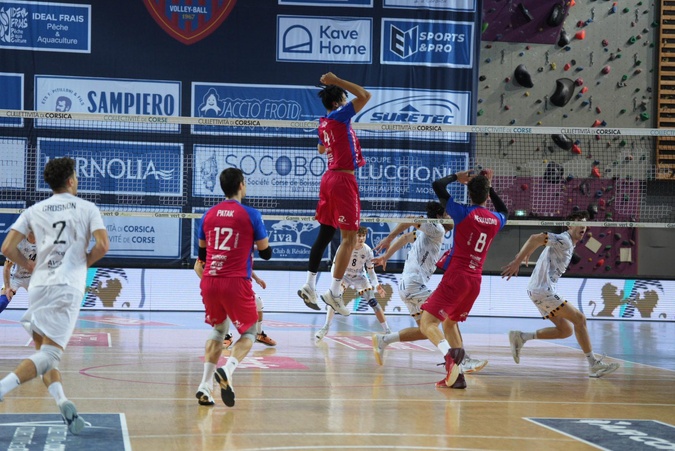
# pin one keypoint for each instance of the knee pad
(47, 358)
(4, 302)
(372, 302)
(259, 303)
(218, 332)
(250, 333)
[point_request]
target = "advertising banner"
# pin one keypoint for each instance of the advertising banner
(109, 96)
(45, 26)
(389, 174)
(147, 238)
(118, 167)
(324, 40)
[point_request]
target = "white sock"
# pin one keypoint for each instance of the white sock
(444, 347)
(330, 313)
(311, 280)
(591, 358)
(528, 336)
(385, 327)
(56, 390)
(393, 337)
(9, 383)
(335, 286)
(207, 377)
(231, 365)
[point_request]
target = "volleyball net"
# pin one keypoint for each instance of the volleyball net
(168, 167)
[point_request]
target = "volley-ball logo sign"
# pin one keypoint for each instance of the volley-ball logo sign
(188, 21)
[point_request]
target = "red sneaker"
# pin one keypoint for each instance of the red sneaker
(459, 383)
(452, 360)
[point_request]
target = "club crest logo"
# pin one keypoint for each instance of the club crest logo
(188, 21)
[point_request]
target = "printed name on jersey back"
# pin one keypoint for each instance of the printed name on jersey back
(225, 213)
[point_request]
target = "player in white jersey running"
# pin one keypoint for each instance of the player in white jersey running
(63, 226)
(420, 265)
(355, 277)
(15, 276)
(542, 289)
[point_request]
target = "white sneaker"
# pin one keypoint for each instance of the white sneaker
(320, 334)
(204, 396)
(378, 348)
(69, 413)
(517, 343)
(335, 302)
(470, 365)
(309, 296)
(601, 368)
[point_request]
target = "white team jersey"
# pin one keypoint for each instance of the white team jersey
(552, 263)
(29, 251)
(425, 251)
(359, 261)
(63, 226)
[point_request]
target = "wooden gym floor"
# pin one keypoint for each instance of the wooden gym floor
(333, 396)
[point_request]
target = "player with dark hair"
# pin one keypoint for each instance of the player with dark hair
(63, 226)
(339, 204)
(420, 265)
(542, 289)
(474, 227)
(227, 235)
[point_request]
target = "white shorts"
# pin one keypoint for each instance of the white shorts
(361, 284)
(547, 302)
(15, 284)
(53, 312)
(414, 292)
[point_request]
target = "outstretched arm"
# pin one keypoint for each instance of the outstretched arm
(523, 256)
(398, 244)
(384, 243)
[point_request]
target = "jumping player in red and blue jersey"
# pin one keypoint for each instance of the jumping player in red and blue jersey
(475, 227)
(339, 204)
(227, 234)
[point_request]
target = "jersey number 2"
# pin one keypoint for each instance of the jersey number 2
(62, 225)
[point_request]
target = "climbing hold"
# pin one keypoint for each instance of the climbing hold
(580, 35)
(632, 40)
(507, 79)
(584, 90)
(507, 108)
(612, 10)
(525, 12)
(595, 172)
(564, 92)
(480, 112)
(579, 81)
(562, 141)
(605, 42)
(523, 77)
(576, 149)
(485, 27)
(598, 110)
(606, 70)
(644, 116)
(564, 38)
(617, 236)
(596, 123)
(482, 78)
(599, 193)
(556, 16)
(567, 66)
(524, 187)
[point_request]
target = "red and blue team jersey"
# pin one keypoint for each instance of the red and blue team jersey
(337, 136)
(475, 227)
(230, 229)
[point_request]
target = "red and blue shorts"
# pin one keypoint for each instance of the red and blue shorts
(229, 297)
(339, 205)
(454, 296)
